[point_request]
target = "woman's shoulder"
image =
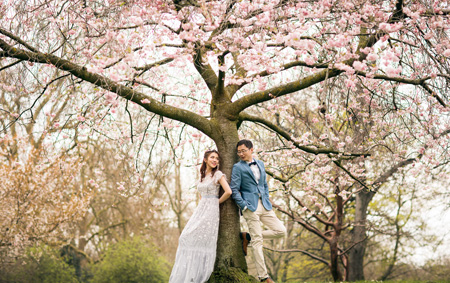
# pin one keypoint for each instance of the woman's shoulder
(217, 175)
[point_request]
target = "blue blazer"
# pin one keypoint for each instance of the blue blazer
(245, 190)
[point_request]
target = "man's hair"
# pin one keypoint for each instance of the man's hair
(247, 143)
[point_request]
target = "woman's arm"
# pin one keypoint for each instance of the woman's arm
(226, 188)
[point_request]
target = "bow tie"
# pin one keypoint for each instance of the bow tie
(252, 163)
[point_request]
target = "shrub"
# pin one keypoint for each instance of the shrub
(40, 264)
(133, 260)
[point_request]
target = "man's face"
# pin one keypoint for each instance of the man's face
(244, 153)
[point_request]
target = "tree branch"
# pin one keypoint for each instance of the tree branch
(365, 41)
(313, 256)
(19, 40)
(247, 117)
(10, 65)
(205, 70)
(105, 229)
(287, 66)
(266, 95)
(284, 180)
(338, 164)
(128, 93)
(302, 222)
(155, 64)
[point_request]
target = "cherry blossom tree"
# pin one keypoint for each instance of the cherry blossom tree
(209, 64)
(327, 201)
(41, 197)
(41, 192)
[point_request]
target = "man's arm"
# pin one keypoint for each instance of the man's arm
(235, 186)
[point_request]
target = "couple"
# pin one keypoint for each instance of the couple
(196, 252)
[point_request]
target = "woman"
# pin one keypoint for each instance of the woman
(196, 251)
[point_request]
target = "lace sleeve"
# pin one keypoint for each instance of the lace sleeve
(217, 176)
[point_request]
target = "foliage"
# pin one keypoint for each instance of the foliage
(41, 196)
(40, 264)
(232, 275)
(132, 260)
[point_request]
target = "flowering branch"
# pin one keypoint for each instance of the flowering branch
(318, 150)
(128, 93)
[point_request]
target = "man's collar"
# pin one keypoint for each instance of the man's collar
(253, 160)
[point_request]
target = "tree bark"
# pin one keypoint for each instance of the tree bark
(357, 253)
(230, 262)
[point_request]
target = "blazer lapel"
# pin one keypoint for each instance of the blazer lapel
(260, 169)
(249, 171)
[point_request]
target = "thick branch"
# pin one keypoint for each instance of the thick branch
(128, 93)
(395, 168)
(395, 79)
(221, 78)
(235, 88)
(19, 40)
(338, 164)
(434, 94)
(205, 70)
(261, 96)
(366, 41)
(247, 117)
(388, 173)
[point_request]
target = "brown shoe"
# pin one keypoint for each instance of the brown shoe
(245, 237)
(267, 280)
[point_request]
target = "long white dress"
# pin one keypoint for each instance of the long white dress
(196, 251)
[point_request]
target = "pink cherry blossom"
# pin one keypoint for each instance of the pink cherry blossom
(359, 66)
(446, 53)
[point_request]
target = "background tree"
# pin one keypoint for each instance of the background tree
(41, 191)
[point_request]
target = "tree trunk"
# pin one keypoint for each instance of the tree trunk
(357, 253)
(230, 262)
(334, 260)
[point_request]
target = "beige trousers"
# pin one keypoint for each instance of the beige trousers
(275, 230)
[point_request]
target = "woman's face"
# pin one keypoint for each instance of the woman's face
(212, 160)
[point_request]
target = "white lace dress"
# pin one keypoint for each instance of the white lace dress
(196, 251)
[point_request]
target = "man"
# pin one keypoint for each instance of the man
(251, 194)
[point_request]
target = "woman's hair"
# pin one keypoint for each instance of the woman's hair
(203, 167)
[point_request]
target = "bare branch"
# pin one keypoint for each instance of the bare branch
(302, 222)
(155, 64)
(313, 256)
(10, 65)
(19, 40)
(286, 179)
